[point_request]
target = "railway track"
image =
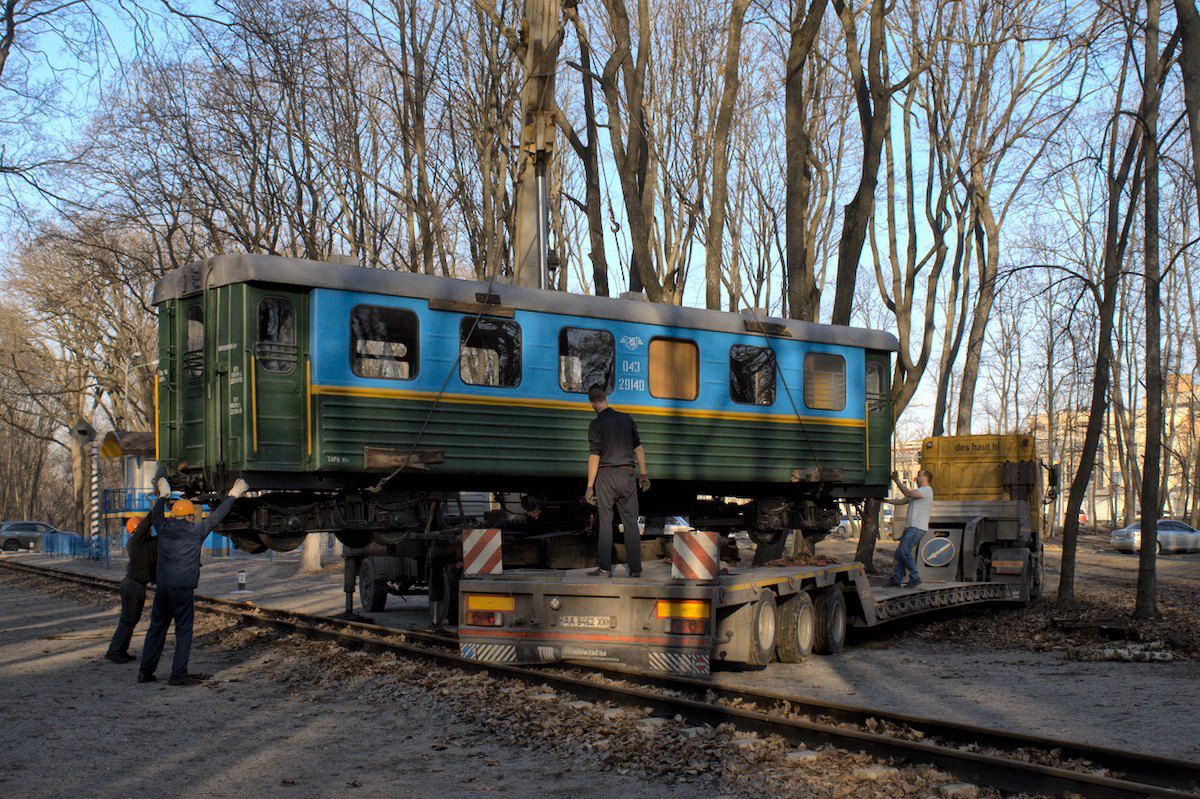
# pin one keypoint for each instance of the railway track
(1011, 762)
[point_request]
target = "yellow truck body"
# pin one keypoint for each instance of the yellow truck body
(971, 468)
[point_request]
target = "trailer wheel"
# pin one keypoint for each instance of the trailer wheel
(763, 625)
(372, 593)
(796, 629)
(829, 607)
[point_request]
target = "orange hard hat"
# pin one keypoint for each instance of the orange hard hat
(132, 522)
(183, 507)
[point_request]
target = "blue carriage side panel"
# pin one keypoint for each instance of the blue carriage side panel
(537, 420)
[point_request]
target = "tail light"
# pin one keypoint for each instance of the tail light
(687, 626)
(484, 618)
(684, 616)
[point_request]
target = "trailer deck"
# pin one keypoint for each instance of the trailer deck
(660, 623)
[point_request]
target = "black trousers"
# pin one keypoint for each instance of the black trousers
(133, 600)
(169, 603)
(616, 487)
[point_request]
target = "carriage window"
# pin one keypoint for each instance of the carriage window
(491, 352)
(874, 379)
(586, 358)
(876, 387)
(193, 352)
(276, 350)
(384, 343)
(674, 369)
(824, 381)
(752, 374)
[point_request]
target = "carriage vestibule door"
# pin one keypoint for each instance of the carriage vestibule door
(277, 339)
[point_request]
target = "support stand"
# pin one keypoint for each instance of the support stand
(351, 565)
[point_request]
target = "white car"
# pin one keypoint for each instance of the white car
(660, 525)
(1173, 536)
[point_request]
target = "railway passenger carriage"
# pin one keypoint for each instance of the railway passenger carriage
(315, 381)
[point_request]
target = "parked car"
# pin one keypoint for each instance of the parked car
(660, 525)
(849, 526)
(1173, 536)
(23, 535)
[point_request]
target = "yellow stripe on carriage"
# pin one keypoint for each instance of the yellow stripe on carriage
(567, 405)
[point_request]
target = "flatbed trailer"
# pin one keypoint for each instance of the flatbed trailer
(747, 615)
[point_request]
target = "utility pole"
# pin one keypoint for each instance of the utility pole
(541, 37)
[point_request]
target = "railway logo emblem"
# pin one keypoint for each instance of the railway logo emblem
(938, 552)
(631, 343)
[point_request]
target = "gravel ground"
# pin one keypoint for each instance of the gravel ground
(288, 717)
(1010, 668)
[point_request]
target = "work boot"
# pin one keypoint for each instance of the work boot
(144, 677)
(635, 575)
(913, 583)
(188, 679)
(120, 658)
(599, 573)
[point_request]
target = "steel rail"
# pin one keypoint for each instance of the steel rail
(1155, 776)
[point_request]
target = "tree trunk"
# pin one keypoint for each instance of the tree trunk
(868, 536)
(720, 164)
(989, 267)
(591, 173)
(1116, 240)
(803, 295)
(1147, 585)
(310, 553)
(874, 108)
(1189, 67)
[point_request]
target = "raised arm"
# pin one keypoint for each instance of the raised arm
(210, 522)
(217, 516)
(142, 531)
(911, 493)
(157, 516)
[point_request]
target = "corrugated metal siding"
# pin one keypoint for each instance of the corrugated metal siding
(534, 441)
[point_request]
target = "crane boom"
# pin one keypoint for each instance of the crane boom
(541, 34)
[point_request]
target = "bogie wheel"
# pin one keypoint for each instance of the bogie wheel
(763, 626)
(249, 543)
(372, 593)
(797, 625)
(12, 545)
(829, 608)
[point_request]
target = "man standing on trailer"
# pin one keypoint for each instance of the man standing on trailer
(180, 541)
(614, 446)
(143, 561)
(920, 506)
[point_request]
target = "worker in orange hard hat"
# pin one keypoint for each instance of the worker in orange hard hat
(143, 563)
(181, 537)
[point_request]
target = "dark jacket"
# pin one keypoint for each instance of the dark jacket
(179, 544)
(143, 549)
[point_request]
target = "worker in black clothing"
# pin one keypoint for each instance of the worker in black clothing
(614, 446)
(180, 539)
(143, 560)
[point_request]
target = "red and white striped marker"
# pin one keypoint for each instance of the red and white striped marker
(696, 555)
(481, 552)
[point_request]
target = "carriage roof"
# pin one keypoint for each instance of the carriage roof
(224, 270)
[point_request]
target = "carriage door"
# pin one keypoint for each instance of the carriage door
(193, 367)
(277, 322)
(879, 417)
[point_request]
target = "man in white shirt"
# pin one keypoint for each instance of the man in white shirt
(920, 505)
